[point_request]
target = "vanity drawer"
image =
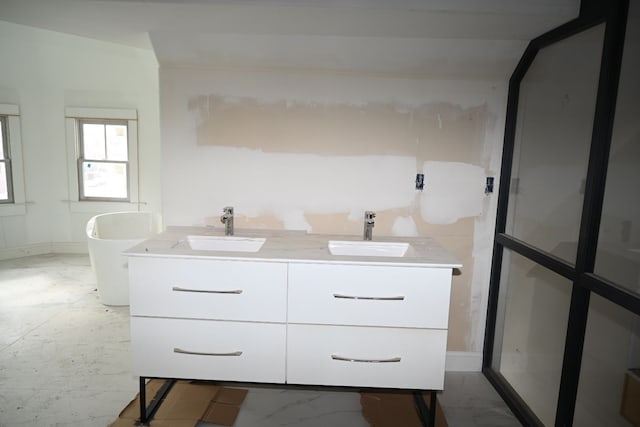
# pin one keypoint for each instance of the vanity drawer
(369, 295)
(208, 350)
(208, 289)
(375, 357)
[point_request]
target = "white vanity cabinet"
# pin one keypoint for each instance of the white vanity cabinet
(208, 319)
(290, 313)
(368, 326)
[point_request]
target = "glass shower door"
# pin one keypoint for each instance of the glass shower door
(556, 107)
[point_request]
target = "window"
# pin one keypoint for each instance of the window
(103, 162)
(12, 200)
(102, 153)
(6, 184)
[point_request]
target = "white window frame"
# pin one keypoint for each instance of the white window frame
(73, 115)
(18, 206)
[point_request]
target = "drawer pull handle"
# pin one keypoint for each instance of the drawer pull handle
(198, 353)
(341, 296)
(351, 359)
(205, 291)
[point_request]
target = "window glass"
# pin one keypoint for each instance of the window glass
(618, 256)
(5, 179)
(12, 200)
(530, 332)
(4, 190)
(104, 154)
(2, 150)
(552, 142)
(93, 141)
(104, 180)
(116, 136)
(610, 369)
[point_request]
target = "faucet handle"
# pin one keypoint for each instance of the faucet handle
(369, 214)
(228, 209)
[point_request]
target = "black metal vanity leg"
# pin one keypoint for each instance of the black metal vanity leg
(427, 415)
(432, 408)
(424, 413)
(146, 414)
(143, 401)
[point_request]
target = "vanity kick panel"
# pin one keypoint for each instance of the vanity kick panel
(382, 357)
(166, 347)
(208, 289)
(369, 295)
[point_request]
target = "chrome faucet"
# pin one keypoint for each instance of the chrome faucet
(368, 224)
(227, 220)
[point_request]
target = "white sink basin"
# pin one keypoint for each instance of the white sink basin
(225, 243)
(367, 248)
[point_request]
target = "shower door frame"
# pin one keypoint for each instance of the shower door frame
(592, 13)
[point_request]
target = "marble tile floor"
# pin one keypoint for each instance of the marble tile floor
(64, 361)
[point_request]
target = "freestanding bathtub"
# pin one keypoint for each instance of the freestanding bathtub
(108, 236)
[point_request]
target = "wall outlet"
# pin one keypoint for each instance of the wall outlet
(488, 186)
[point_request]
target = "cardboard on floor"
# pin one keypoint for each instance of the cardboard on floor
(187, 404)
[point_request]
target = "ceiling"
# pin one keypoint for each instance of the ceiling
(373, 35)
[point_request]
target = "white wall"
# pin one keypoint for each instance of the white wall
(43, 72)
(313, 149)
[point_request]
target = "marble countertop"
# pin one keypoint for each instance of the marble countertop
(293, 246)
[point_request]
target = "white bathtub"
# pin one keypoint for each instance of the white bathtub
(108, 236)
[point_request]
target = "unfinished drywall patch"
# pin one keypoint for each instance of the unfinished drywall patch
(289, 126)
(437, 130)
(453, 190)
(404, 226)
(295, 220)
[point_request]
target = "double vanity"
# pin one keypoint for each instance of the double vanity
(290, 308)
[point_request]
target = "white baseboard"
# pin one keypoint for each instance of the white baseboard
(43, 249)
(25, 250)
(70, 248)
(463, 361)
